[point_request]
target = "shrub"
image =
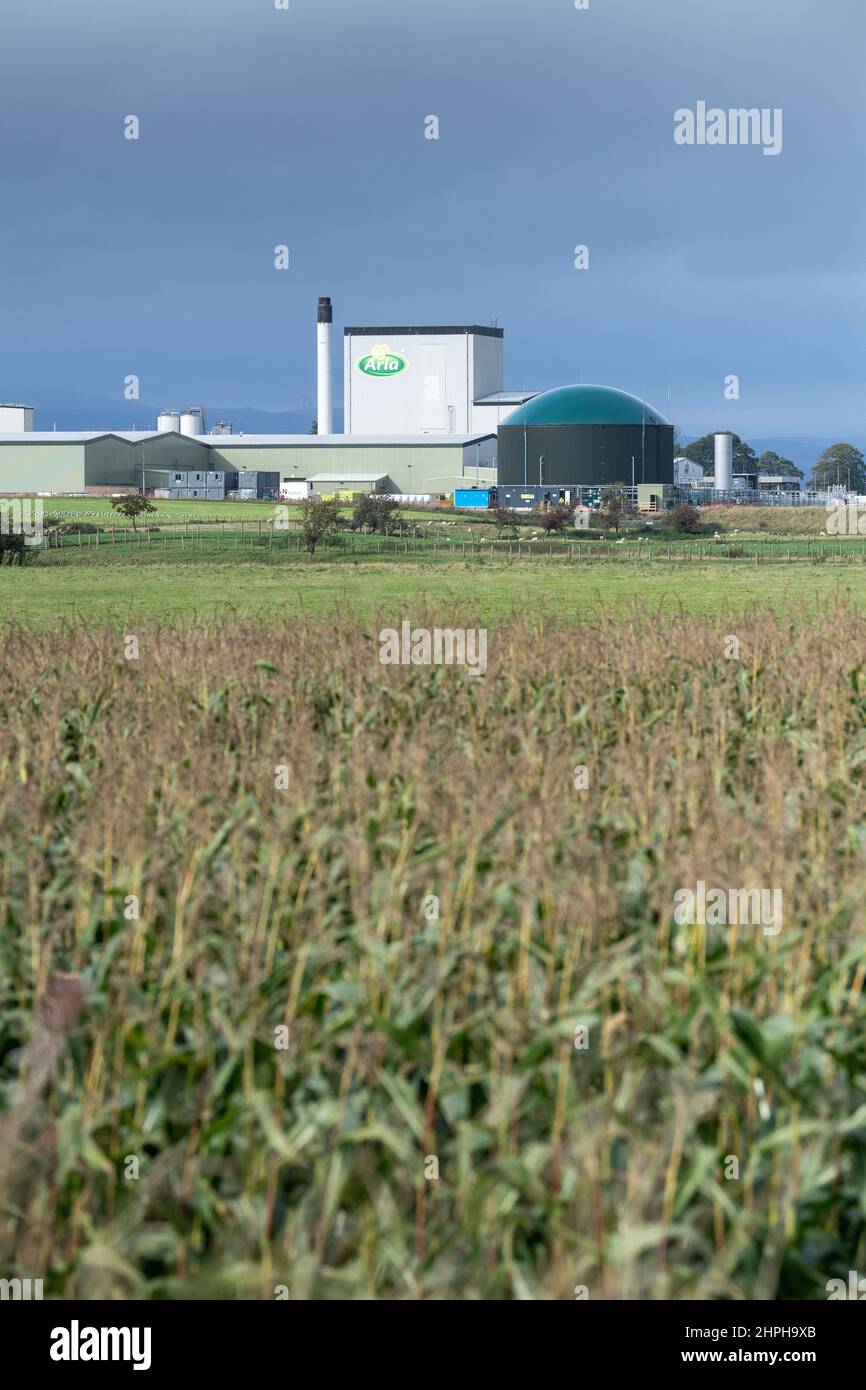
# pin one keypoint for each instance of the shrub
(319, 518)
(686, 519)
(132, 507)
(376, 513)
(13, 550)
(556, 519)
(615, 505)
(504, 519)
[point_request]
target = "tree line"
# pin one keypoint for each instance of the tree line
(841, 464)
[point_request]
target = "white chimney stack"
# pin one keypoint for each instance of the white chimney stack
(323, 342)
(724, 460)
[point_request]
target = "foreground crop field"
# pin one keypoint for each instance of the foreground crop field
(249, 829)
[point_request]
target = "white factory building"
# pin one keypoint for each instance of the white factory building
(418, 381)
(16, 419)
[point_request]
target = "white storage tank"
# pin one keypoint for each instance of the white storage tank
(190, 422)
(167, 420)
(724, 462)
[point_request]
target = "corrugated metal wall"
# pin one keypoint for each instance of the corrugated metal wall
(412, 468)
(42, 467)
(112, 462)
(586, 454)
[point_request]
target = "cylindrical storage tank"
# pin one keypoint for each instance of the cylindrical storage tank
(724, 460)
(190, 422)
(167, 420)
(585, 436)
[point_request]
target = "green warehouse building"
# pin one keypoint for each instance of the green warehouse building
(76, 462)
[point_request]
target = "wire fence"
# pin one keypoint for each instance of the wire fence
(210, 539)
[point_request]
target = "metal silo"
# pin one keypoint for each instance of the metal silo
(190, 422)
(167, 420)
(724, 462)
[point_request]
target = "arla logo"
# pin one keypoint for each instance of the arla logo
(382, 362)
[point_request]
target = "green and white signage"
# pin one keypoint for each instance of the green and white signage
(382, 362)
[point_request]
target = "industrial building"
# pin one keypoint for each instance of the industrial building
(425, 381)
(426, 414)
(585, 435)
(16, 418)
(187, 464)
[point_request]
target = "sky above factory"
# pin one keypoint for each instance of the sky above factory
(307, 127)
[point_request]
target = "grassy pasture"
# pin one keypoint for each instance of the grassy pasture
(197, 582)
(421, 1031)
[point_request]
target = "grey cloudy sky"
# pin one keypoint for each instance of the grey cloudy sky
(261, 126)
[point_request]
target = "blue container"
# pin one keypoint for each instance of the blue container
(477, 497)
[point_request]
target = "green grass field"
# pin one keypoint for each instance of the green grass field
(227, 559)
(99, 510)
(191, 589)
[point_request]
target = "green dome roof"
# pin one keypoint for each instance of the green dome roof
(584, 405)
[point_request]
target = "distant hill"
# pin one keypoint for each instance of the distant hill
(127, 415)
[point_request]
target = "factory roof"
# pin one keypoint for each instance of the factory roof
(444, 441)
(425, 332)
(50, 436)
(584, 405)
(225, 441)
(87, 436)
(507, 398)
